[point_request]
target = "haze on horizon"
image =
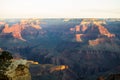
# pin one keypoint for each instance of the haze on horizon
(59, 8)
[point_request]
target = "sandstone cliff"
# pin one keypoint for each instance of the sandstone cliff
(90, 30)
(78, 37)
(16, 29)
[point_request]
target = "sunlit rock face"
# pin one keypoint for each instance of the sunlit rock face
(77, 28)
(104, 31)
(96, 42)
(18, 70)
(84, 28)
(32, 62)
(98, 23)
(57, 72)
(92, 29)
(59, 68)
(78, 37)
(36, 26)
(16, 29)
(31, 22)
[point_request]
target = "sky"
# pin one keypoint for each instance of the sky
(59, 8)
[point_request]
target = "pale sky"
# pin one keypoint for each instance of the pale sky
(59, 8)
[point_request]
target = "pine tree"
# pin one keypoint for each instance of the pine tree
(5, 61)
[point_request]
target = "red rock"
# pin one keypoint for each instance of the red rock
(15, 30)
(104, 31)
(77, 28)
(96, 42)
(84, 28)
(78, 37)
(91, 26)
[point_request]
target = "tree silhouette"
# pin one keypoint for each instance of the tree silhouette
(5, 61)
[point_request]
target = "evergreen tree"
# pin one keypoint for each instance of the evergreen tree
(5, 61)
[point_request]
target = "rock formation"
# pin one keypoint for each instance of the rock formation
(78, 37)
(84, 28)
(16, 29)
(77, 28)
(18, 70)
(32, 62)
(57, 72)
(91, 29)
(104, 31)
(58, 68)
(96, 42)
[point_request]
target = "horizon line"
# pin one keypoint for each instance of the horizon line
(58, 17)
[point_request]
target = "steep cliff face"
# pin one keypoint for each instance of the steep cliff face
(18, 70)
(78, 37)
(102, 29)
(16, 29)
(92, 29)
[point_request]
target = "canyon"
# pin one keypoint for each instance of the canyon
(91, 27)
(64, 49)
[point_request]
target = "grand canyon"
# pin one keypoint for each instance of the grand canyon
(62, 49)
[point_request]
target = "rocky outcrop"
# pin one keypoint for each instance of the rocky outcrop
(96, 42)
(58, 68)
(16, 29)
(31, 22)
(104, 31)
(54, 72)
(84, 28)
(18, 70)
(90, 22)
(32, 62)
(78, 37)
(77, 28)
(92, 29)
(36, 26)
